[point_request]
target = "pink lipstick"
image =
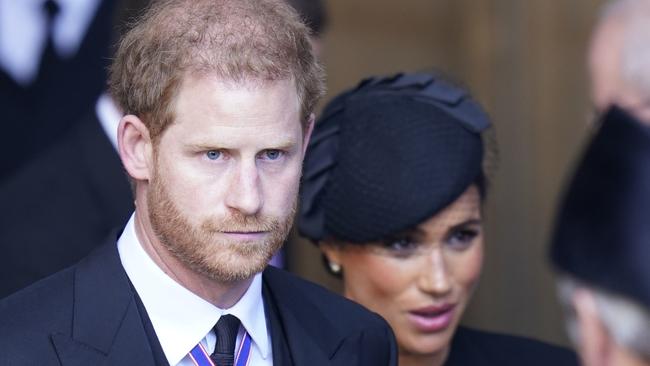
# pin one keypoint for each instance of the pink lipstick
(432, 319)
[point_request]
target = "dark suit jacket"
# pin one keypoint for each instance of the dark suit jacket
(88, 315)
(477, 348)
(59, 207)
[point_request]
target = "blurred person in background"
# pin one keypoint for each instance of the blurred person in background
(619, 58)
(601, 245)
(392, 193)
(74, 192)
(53, 60)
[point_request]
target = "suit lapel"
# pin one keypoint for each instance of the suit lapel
(281, 352)
(106, 326)
(311, 338)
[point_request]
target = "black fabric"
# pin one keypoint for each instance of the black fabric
(279, 340)
(471, 347)
(156, 349)
(57, 208)
(51, 8)
(602, 235)
(50, 56)
(87, 314)
(387, 155)
(226, 331)
(322, 328)
(36, 116)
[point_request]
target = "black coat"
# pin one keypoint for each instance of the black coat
(62, 205)
(88, 315)
(478, 348)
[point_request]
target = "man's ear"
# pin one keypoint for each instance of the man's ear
(596, 345)
(135, 147)
(309, 128)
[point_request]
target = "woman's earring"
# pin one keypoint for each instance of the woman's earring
(335, 267)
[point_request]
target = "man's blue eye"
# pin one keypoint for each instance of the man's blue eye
(272, 154)
(213, 154)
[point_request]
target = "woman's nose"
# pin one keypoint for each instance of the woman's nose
(435, 277)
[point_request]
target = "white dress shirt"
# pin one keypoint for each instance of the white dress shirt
(23, 33)
(180, 318)
(109, 117)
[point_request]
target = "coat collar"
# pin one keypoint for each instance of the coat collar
(106, 326)
(312, 338)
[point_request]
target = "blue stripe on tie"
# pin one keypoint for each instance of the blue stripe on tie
(200, 357)
(244, 353)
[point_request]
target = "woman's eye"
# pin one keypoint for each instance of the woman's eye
(213, 154)
(272, 154)
(462, 238)
(400, 247)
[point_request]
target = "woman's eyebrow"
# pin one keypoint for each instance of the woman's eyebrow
(417, 231)
(469, 222)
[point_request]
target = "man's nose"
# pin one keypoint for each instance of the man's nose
(245, 193)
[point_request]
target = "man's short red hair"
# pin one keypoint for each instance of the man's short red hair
(236, 40)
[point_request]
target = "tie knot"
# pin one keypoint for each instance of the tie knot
(51, 8)
(227, 328)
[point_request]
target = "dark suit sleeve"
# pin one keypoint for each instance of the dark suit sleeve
(477, 348)
(379, 347)
(373, 346)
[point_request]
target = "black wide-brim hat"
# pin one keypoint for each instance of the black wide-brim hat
(602, 233)
(387, 155)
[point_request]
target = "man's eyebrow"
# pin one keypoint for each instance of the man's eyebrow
(200, 146)
(286, 144)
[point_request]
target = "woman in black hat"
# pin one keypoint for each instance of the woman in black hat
(392, 193)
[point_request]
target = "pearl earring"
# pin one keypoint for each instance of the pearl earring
(335, 267)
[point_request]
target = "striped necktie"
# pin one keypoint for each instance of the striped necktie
(226, 329)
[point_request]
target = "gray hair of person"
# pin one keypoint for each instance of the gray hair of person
(634, 16)
(626, 321)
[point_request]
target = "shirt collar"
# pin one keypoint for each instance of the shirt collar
(182, 323)
(73, 23)
(250, 311)
(109, 116)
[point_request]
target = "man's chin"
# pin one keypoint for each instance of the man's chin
(238, 265)
(232, 272)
